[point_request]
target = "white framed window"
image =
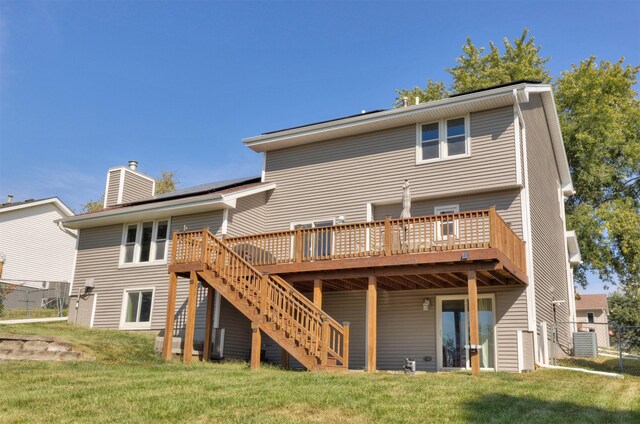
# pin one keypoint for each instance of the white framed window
(443, 139)
(320, 243)
(448, 226)
(145, 243)
(137, 308)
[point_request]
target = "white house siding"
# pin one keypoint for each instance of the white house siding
(548, 232)
(34, 246)
(339, 177)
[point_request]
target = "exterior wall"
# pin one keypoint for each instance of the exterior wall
(507, 204)
(98, 257)
(405, 330)
(136, 187)
(339, 177)
(249, 215)
(113, 187)
(81, 309)
(600, 325)
(34, 246)
(547, 228)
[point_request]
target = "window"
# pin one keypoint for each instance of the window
(448, 225)
(137, 305)
(443, 139)
(145, 242)
(590, 317)
(319, 243)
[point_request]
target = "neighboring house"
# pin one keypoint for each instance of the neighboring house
(36, 251)
(592, 314)
(317, 241)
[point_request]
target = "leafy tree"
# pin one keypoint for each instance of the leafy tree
(93, 205)
(600, 118)
(624, 310)
(166, 182)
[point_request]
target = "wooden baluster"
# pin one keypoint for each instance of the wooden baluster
(387, 236)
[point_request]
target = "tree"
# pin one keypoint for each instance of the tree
(624, 310)
(166, 182)
(433, 91)
(93, 205)
(600, 118)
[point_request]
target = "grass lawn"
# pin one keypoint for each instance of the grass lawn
(128, 382)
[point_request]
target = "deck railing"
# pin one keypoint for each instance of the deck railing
(273, 299)
(423, 234)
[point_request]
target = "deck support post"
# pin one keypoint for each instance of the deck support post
(255, 346)
(474, 338)
(208, 327)
(372, 323)
(284, 359)
(167, 346)
(317, 293)
(187, 354)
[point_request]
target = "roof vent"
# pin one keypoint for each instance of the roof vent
(405, 102)
(10, 198)
(133, 165)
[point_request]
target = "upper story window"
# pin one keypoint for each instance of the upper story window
(590, 318)
(444, 139)
(145, 242)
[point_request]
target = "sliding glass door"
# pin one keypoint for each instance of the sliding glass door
(453, 332)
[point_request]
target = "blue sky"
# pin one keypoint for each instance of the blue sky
(85, 86)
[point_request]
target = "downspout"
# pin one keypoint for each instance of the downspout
(526, 228)
(556, 367)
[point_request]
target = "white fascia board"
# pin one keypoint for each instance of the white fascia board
(54, 200)
(575, 257)
(248, 192)
(268, 142)
(546, 93)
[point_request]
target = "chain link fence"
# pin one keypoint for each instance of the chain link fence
(24, 301)
(617, 346)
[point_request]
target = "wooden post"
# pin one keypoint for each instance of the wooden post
(298, 244)
(208, 327)
(205, 242)
(345, 345)
(264, 296)
(255, 346)
(388, 240)
(324, 349)
(284, 359)
(372, 318)
(493, 227)
(317, 293)
(473, 322)
(191, 319)
(167, 346)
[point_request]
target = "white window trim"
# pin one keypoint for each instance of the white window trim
(437, 210)
(136, 249)
(123, 311)
(442, 136)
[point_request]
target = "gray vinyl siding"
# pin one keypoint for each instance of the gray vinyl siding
(98, 257)
(82, 314)
(507, 204)
(338, 177)
(237, 332)
(113, 187)
(405, 330)
(528, 362)
(549, 261)
(135, 187)
(249, 216)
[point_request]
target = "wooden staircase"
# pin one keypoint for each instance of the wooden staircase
(273, 306)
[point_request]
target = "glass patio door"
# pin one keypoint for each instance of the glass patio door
(454, 332)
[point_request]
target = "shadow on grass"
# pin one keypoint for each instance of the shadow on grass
(502, 408)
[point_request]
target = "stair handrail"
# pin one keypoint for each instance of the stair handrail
(215, 255)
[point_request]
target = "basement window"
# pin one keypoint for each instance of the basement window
(137, 305)
(145, 243)
(443, 139)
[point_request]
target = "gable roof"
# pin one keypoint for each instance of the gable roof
(592, 301)
(489, 98)
(201, 198)
(29, 203)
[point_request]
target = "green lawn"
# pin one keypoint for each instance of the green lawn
(128, 382)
